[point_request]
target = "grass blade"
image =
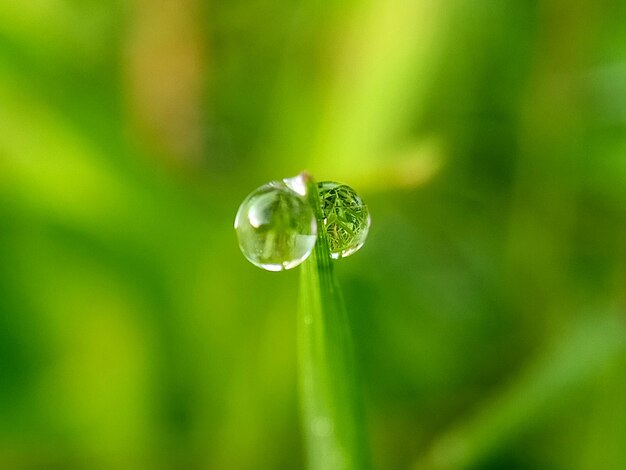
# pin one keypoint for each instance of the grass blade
(583, 354)
(330, 399)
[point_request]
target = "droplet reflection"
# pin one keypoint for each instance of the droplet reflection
(276, 225)
(346, 218)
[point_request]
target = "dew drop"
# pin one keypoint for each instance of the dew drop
(276, 225)
(346, 218)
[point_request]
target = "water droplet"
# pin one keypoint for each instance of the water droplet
(346, 218)
(276, 225)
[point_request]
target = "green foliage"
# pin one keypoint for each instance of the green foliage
(486, 309)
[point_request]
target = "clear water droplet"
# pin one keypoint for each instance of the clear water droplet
(346, 218)
(276, 225)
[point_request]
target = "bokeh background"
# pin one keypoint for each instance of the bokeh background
(488, 306)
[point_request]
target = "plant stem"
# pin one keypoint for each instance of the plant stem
(332, 408)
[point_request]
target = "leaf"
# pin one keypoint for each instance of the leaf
(332, 409)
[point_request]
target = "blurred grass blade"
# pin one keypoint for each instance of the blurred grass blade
(592, 345)
(330, 399)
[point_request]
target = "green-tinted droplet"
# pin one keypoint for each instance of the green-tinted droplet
(346, 218)
(276, 225)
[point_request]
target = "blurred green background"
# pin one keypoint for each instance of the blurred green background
(488, 306)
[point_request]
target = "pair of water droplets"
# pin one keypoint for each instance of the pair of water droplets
(277, 227)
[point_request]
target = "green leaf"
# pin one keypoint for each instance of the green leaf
(331, 402)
